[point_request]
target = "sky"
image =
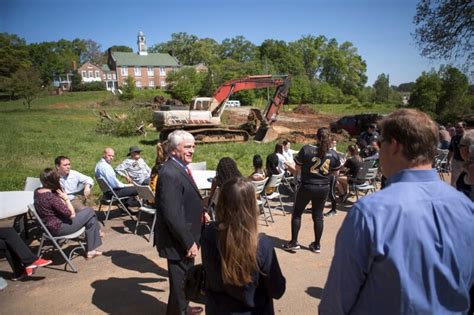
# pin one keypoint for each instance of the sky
(379, 29)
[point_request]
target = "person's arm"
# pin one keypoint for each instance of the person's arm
(110, 177)
(64, 206)
(350, 265)
(87, 182)
(122, 168)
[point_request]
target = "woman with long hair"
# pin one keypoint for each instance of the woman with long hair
(352, 166)
(161, 157)
(242, 271)
(59, 216)
(226, 169)
(316, 164)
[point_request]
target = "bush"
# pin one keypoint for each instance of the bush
(126, 124)
(91, 86)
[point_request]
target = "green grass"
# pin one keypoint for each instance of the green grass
(65, 125)
(348, 109)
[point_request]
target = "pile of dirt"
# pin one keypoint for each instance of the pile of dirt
(161, 100)
(304, 109)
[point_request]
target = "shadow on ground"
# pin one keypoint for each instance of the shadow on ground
(315, 292)
(127, 296)
(137, 262)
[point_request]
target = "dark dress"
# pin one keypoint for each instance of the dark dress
(254, 298)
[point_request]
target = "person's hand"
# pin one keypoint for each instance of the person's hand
(193, 251)
(129, 180)
(62, 195)
(207, 218)
(87, 191)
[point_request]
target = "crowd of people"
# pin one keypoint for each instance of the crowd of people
(408, 248)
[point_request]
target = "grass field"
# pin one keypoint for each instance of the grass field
(65, 125)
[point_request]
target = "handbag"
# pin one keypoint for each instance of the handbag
(195, 284)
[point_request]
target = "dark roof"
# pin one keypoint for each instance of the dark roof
(152, 59)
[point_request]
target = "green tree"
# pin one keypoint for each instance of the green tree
(184, 84)
(120, 48)
(300, 90)
(444, 28)
(309, 49)
(382, 88)
(26, 83)
(128, 90)
(238, 49)
(180, 46)
(13, 56)
(453, 101)
(276, 54)
(92, 53)
(406, 87)
(427, 92)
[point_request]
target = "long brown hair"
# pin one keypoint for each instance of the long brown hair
(237, 238)
(324, 142)
(50, 179)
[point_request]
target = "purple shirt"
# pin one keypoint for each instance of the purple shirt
(52, 210)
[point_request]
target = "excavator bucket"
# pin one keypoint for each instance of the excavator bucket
(266, 134)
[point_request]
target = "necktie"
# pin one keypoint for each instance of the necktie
(190, 173)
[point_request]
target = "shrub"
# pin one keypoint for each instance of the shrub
(126, 124)
(90, 86)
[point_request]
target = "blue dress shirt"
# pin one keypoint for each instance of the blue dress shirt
(407, 249)
(105, 170)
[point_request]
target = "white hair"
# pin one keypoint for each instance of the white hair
(177, 137)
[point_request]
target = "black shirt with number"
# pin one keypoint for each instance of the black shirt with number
(315, 170)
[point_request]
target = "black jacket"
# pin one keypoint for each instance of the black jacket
(179, 211)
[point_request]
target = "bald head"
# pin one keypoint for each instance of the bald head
(108, 155)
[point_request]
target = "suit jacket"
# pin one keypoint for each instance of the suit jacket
(179, 211)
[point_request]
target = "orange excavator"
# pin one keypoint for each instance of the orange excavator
(203, 117)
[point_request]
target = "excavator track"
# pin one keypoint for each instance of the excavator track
(212, 135)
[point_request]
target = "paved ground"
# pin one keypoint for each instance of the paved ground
(131, 278)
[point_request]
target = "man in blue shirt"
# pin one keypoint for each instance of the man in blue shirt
(409, 248)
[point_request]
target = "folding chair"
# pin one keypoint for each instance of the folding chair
(441, 164)
(58, 241)
(31, 183)
(367, 176)
(271, 192)
(106, 200)
(259, 187)
(145, 194)
(198, 166)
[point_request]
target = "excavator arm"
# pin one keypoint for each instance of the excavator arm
(223, 93)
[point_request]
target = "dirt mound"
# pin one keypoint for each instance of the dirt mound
(304, 109)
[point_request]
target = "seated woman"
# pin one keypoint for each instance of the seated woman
(283, 163)
(161, 157)
(225, 170)
(351, 166)
(272, 169)
(22, 261)
(242, 271)
(258, 172)
(59, 216)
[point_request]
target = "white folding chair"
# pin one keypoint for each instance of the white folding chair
(198, 166)
(109, 197)
(145, 194)
(441, 164)
(58, 241)
(259, 187)
(31, 183)
(271, 192)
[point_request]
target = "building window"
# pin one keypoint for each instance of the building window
(103, 76)
(91, 75)
(163, 83)
(150, 71)
(138, 71)
(109, 76)
(124, 71)
(97, 74)
(162, 71)
(151, 83)
(114, 77)
(138, 84)
(84, 74)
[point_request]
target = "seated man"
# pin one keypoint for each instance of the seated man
(74, 184)
(22, 261)
(104, 170)
(368, 136)
(135, 169)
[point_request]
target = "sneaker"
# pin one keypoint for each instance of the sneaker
(26, 273)
(330, 213)
(40, 262)
(314, 248)
(291, 246)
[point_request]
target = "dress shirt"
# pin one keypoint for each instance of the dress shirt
(407, 249)
(137, 170)
(72, 183)
(288, 156)
(104, 169)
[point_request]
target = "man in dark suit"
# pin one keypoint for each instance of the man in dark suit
(179, 213)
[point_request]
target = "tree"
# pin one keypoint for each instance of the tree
(309, 51)
(238, 49)
(382, 88)
(180, 46)
(426, 92)
(26, 83)
(453, 101)
(185, 84)
(129, 89)
(120, 48)
(92, 53)
(445, 28)
(13, 56)
(406, 87)
(276, 54)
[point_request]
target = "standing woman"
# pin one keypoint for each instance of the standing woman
(59, 216)
(316, 163)
(242, 271)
